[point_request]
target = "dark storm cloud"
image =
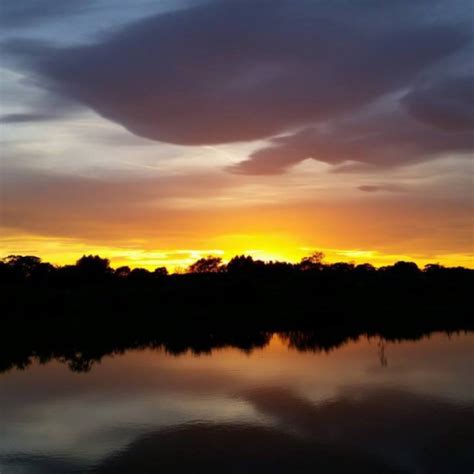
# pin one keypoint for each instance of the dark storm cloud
(232, 71)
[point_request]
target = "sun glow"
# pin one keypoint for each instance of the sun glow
(259, 246)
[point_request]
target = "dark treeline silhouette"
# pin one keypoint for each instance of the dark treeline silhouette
(310, 285)
(93, 270)
(78, 313)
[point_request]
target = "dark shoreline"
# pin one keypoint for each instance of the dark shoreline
(78, 314)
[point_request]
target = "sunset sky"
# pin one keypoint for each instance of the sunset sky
(155, 132)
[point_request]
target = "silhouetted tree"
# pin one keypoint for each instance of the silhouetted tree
(401, 268)
(244, 264)
(406, 267)
(23, 264)
(340, 267)
(20, 268)
(94, 263)
(6, 273)
(365, 268)
(433, 268)
(279, 268)
(206, 265)
(160, 271)
(139, 275)
(365, 274)
(92, 268)
(312, 262)
(41, 273)
(122, 272)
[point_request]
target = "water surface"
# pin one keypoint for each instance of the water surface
(366, 406)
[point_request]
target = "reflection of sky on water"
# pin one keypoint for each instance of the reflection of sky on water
(54, 420)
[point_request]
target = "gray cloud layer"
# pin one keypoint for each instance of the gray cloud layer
(17, 14)
(231, 71)
(24, 118)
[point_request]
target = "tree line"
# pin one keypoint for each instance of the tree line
(80, 312)
(92, 269)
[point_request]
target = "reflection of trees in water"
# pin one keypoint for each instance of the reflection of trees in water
(81, 352)
(382, 355)
(317, 341)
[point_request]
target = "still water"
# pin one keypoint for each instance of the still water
(367, 406)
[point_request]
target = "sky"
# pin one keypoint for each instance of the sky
(157, 132)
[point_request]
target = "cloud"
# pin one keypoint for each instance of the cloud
(381, 136)
(373, 188)
(231, 71)
(369, 188)
(447, 104)
(22, 188)
(105, 206)
(25, 117)
(203, 211)
(17, 14)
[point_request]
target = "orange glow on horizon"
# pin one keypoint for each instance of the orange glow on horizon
(259, 246)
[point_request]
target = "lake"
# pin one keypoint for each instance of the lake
(368, 405)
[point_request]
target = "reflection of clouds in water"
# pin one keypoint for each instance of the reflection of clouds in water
(403, 428)
(57, 413)
(379, 431)
(234, 448)
(104, 419)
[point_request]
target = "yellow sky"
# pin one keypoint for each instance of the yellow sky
(264, 247)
